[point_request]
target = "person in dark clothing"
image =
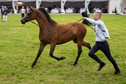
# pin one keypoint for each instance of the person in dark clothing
(2, 11)
(102, 34)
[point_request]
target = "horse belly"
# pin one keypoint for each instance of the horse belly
(65, 38)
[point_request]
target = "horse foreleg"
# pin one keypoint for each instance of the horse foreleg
(52, 50)
(79, 53)
(42, 45)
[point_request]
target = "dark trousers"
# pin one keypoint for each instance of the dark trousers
(22, 15)
(1, 16)
(104, 47)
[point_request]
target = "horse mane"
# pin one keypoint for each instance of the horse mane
(47, 15)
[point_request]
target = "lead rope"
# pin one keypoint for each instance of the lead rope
(56, 32)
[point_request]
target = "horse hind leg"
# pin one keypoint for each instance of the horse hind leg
(79, 52)
(75, 40)
(86, 44)
(83, 43)
(80, 43)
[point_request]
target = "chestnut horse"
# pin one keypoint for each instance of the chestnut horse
(54, 33)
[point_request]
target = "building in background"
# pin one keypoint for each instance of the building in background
(105, 6)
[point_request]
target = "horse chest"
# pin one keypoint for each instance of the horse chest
(45, 37)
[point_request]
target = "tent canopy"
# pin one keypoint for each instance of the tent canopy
(54, 0)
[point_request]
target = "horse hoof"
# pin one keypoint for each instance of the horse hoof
(30, 67)
(62, 58)
(74, 65)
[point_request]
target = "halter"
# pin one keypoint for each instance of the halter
(30, 20)
(33, 23)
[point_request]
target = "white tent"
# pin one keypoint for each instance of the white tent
(112, 4)
(123, 6)
(54, 0)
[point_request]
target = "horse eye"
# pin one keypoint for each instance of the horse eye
(29, 14)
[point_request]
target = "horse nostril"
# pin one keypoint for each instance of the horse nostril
(23, 21)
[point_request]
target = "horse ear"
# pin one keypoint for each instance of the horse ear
(31, 9)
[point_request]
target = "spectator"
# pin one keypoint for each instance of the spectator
(2, 11)
(98, 10)
(23, 12)
(27, 9)
(125, 11)
(5, 11)
(94, 9)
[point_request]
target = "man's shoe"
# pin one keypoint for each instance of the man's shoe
(117, 72)
(101, 66)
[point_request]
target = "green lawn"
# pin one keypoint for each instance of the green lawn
(19, 45)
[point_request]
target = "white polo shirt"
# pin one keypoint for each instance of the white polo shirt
(100, 29)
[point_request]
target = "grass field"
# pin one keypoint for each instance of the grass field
(19, 45)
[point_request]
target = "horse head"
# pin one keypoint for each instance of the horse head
(29, 16)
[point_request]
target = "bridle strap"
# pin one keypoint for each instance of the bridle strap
(33, 23)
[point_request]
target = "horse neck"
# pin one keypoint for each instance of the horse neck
(42, 21)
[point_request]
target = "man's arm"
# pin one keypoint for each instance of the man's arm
(91, 21)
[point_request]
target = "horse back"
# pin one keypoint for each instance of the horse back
(70, 31)
(74, 27)
(62, 33)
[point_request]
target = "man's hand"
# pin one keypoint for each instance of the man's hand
(84, 18)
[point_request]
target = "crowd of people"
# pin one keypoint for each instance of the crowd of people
(23, 11)
(4, 12)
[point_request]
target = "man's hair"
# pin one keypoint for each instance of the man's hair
(99, 13)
